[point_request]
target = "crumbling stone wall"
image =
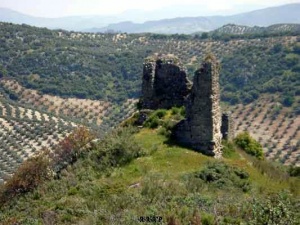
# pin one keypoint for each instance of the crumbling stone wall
(165, 83)
(227, 127)
(201, 129)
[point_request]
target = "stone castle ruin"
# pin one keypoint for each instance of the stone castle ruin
(165, 84)
(202, 127)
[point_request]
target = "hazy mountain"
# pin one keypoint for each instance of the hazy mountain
(69, 23)
(132, 21)
(264, 17)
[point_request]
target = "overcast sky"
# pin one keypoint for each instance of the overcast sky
(59, 8)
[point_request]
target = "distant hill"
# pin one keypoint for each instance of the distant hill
(128, 21)
(68, 23)
(240, 29)
(187, 25)
(184, 25)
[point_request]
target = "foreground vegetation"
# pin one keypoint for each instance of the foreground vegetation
(133, 175)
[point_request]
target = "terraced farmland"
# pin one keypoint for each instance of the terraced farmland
(83, 111)
(276, 127)
(71, 107)
(109, 66)
(34, 122)
(24, 132)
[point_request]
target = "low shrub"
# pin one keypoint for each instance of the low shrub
(154, 119)
(160, 113)
(294, 171)
(167, 127)
(249, 145)
(178, 111)
(175, 110)
(228, 149)
(71, 148)
(221, 175)
(167, 121)
(275, 209)
(207, 219)
(117, 148)
(27, 177)
(153, 122)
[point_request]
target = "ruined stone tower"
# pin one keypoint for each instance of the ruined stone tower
(201, 129)
(227, 127)
(165, 83)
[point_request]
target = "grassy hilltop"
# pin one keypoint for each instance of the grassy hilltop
(140, 174)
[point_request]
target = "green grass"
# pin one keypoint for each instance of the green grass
(169, 158)
(165, 187)
(177, 161)
(161, 158)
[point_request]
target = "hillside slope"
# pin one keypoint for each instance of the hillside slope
(31, 122)
(109, 66)
(274, 126)
(137, 176)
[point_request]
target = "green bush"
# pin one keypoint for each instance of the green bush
(276, 209)
(117, 148)
(167, 127)
(207, 219)
(221, 175)
(167, 124)
(228, 149)
(152, 122)
(294, 171)
(160, 113)
(71, 148)
(154, 119)
(163, 131)
(249, 145)
(175, 110)
(28, 176)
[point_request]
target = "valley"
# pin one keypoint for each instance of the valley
(78, 144)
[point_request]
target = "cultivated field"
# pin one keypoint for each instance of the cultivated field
(274, 126)
(34, 122)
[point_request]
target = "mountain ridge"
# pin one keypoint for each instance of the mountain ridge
(263, 17)
(281, 14)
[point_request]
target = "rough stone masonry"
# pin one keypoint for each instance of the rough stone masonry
(165, 84)
(201, 129)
